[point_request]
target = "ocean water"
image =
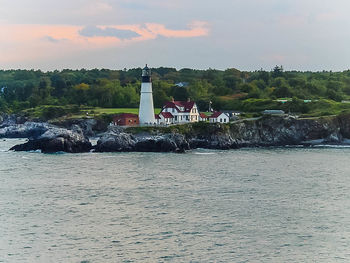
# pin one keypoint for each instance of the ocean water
(247, 205)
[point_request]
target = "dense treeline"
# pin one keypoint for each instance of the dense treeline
(228, 89)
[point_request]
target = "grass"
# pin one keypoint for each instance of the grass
(94, 112)
(117, 110)
(233, 96)
(51, 112)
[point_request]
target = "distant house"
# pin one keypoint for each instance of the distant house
(203, 117)
(233, 115)
(219, 117)
(182, 111)
(181, 84)
(164, 118)
(126, 119)
(273, 112)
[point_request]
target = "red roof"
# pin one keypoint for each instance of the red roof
(187, 105)
(127, 115)
(215, 114)
(157, 116)
(167, 115)
(202, 115)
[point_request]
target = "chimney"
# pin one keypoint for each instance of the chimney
(172, 99)
(188, 100)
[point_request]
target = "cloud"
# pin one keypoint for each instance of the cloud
(197, 29)
(95, 31)
(53, 40)
(30, 42)
(95, 7)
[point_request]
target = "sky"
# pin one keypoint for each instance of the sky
(244, 34)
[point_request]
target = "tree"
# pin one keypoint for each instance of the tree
(277, 71)
(80, 93)
(179, 93)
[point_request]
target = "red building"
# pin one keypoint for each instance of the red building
(126, 119)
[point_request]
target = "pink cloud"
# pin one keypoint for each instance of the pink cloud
(197, 29)
(27, 42)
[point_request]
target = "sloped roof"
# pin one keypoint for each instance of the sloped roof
(202, 115)
(216, 114)
(167, 115)
(157, 116)
(187, 105)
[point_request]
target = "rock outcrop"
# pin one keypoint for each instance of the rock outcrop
(45, 137)
(26, 130)
(265, 131)
(90, 127)
(116, 142)
(262, 132)
(122, 142)
(57, 140)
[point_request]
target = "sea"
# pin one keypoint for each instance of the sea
(246, 205)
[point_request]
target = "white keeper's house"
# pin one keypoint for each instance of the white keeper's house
(178, 112)
(219, 117)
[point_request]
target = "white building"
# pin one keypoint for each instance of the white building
(203, 117)
(219, 117)
(164, 118)
(146, 110)
(182, 111)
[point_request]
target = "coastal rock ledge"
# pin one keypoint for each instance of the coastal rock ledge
(260, 132)
(125, 142)
(57, 140)
(268, 131)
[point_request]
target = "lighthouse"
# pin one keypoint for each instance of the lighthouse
(146, 110)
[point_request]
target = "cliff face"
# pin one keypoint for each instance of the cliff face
(266, 131)
(276, 131)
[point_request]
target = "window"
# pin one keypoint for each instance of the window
(224, 120)
(175, 118)
(173, 110)
(220, 119)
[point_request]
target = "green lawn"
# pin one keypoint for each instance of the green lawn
(117, 110)
(99, 111)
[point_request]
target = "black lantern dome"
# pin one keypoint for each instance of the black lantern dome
(146, 74)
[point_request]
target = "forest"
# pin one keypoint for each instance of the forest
(307, 93)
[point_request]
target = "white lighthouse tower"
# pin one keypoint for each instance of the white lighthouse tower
(146, 110)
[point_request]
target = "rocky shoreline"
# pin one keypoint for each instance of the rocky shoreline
(263, 132)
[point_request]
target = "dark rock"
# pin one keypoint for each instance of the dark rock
(90, 127)
(26, 130)
(266, 131)
(115, 142)
(120, 142)
(160, 144)
(57, 140)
